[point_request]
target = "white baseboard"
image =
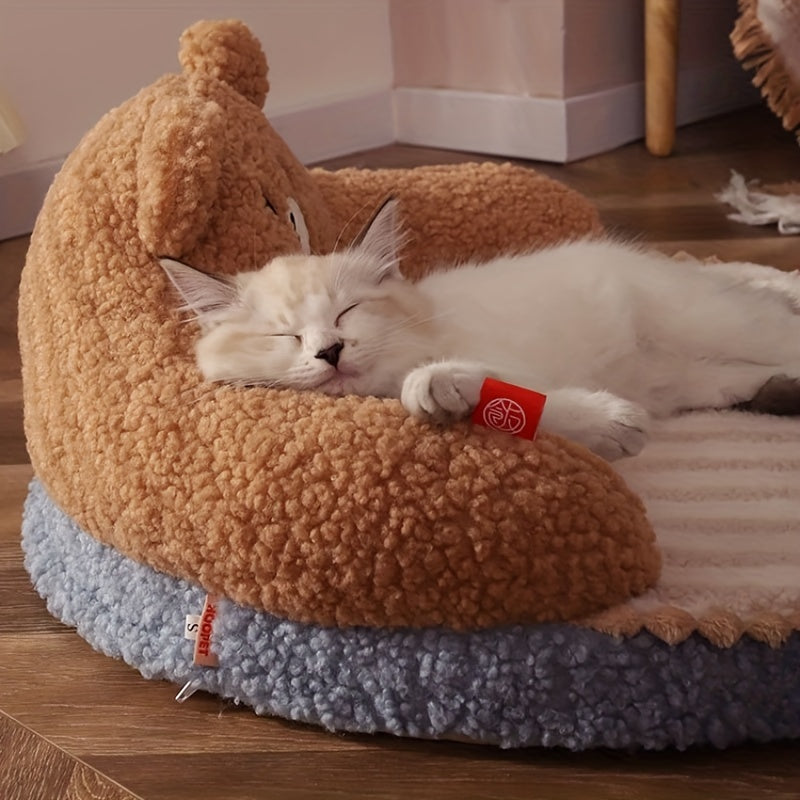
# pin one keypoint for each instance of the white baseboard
(541, 129)
(536, 128)
(559, 129)
(480, 122)
(604, 120)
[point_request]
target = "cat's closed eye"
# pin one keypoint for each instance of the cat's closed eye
(296, 336)
(349, 308)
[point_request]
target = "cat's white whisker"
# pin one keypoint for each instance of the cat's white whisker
(250, 383)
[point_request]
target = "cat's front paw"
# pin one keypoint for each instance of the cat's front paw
(444, 392)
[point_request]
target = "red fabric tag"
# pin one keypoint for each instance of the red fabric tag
(203, 654)
(509, 408)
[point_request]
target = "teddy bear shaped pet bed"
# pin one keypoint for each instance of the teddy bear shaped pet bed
(350, 566)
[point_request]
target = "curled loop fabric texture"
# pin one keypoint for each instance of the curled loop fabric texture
(512, 686)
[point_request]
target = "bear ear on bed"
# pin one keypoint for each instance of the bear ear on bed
(227, 51)
(186, 133)
(178, 172)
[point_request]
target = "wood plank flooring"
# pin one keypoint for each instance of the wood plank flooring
(46, 770)
(76, 724)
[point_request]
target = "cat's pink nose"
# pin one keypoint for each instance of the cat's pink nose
(331, 354)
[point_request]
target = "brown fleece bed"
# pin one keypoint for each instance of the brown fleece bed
(334, 511)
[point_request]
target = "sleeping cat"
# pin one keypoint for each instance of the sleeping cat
(610, 333)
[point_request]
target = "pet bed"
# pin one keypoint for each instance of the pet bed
(455, 556)
(710, 655)
(326, 510)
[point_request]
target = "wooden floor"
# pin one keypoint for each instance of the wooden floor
(76, 724)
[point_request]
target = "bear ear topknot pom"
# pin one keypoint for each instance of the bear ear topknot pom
(227, 51)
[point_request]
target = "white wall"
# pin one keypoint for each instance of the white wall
(64, 64)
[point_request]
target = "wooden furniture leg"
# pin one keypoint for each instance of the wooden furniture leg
(661, 19)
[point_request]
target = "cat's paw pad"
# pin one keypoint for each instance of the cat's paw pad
(442, 393)
(622, 433)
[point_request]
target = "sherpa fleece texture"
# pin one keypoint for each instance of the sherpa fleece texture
(335, 511)
(550, 684)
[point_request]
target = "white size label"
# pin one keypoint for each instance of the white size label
(191, 627)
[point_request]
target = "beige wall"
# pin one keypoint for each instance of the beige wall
(536, 48)
(603, 44)
(66, 63)
(512, 47)
(542, 48)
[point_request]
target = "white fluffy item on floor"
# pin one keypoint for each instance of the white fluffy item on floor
(757, 206)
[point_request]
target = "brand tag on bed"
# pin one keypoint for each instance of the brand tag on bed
(204, 655)
(509, 408)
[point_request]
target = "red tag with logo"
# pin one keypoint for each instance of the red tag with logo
(509, 408)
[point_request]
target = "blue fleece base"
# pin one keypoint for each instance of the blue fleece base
(550, 685)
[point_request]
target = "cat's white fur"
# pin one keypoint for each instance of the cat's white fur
(609, 332)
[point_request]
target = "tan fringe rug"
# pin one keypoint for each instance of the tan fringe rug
(722, 489)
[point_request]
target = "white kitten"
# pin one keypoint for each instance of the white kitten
(610, 333)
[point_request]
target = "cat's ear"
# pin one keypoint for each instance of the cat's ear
(201, 293)
(382, 239)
